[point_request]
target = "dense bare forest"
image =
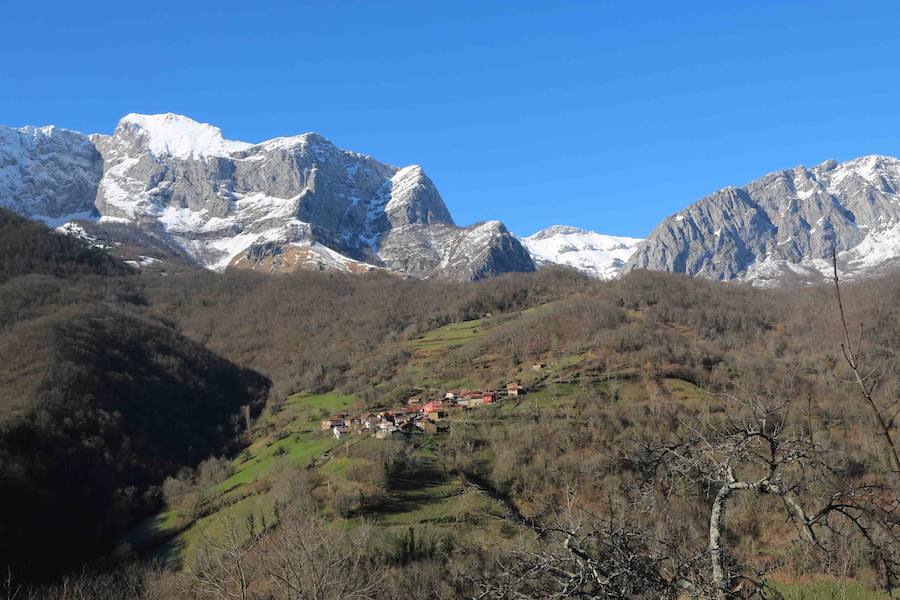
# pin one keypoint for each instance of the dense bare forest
(687, 439)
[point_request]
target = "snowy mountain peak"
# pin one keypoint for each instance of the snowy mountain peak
(34, 133)
(402, 185)
(308, 139)
(30, 135)
(178, 136)
(598, 255)
(411, 197)
(874, 168)
(555, 230)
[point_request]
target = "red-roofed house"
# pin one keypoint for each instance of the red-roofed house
(433, 406)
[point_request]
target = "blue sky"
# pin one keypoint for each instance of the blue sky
(608, 116)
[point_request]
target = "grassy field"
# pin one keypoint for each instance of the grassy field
(448, 336)
(296, 436)
(434, 500)
(252, 511)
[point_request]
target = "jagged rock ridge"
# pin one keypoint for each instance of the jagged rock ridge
(781, 229)
(283, 204)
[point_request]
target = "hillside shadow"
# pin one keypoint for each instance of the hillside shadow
(412, 490)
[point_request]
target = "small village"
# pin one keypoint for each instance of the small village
(417, 414)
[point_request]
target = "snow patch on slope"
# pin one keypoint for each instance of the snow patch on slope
(142, 261)
(309, 256)
(876, 249)
(402, 185)
(224, 250)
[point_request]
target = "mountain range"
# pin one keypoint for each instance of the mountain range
(165, 188)
(171, 188)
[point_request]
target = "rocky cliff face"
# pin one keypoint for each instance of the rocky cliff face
(781, 228)
(287, 203)
(48, 173)
(440, 250)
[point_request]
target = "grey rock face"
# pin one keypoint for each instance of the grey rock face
(48, 171)
(182, 183)
(781, 227)
(459, 253)
(724, 230)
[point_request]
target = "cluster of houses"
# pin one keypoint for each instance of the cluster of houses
(416, 414)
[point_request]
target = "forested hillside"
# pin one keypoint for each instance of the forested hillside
(99, 401)
(674, 437)
(26, 248)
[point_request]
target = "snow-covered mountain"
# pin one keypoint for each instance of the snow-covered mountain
(598, 255)
(284, 204)
(781, 229)
(165, 186)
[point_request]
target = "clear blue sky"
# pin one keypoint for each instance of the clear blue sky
(603, 115)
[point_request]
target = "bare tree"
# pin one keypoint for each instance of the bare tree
(576, 553)
(756, 449)
(758, 446)
(302, 557)
(222, 569)
(750, 452)
(306, 558)
(127, 583)
(867, 382)
(11, 589)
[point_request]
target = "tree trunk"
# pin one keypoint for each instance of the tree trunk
(716, 554)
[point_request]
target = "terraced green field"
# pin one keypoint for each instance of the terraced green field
(298, 419)
(442, 338)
